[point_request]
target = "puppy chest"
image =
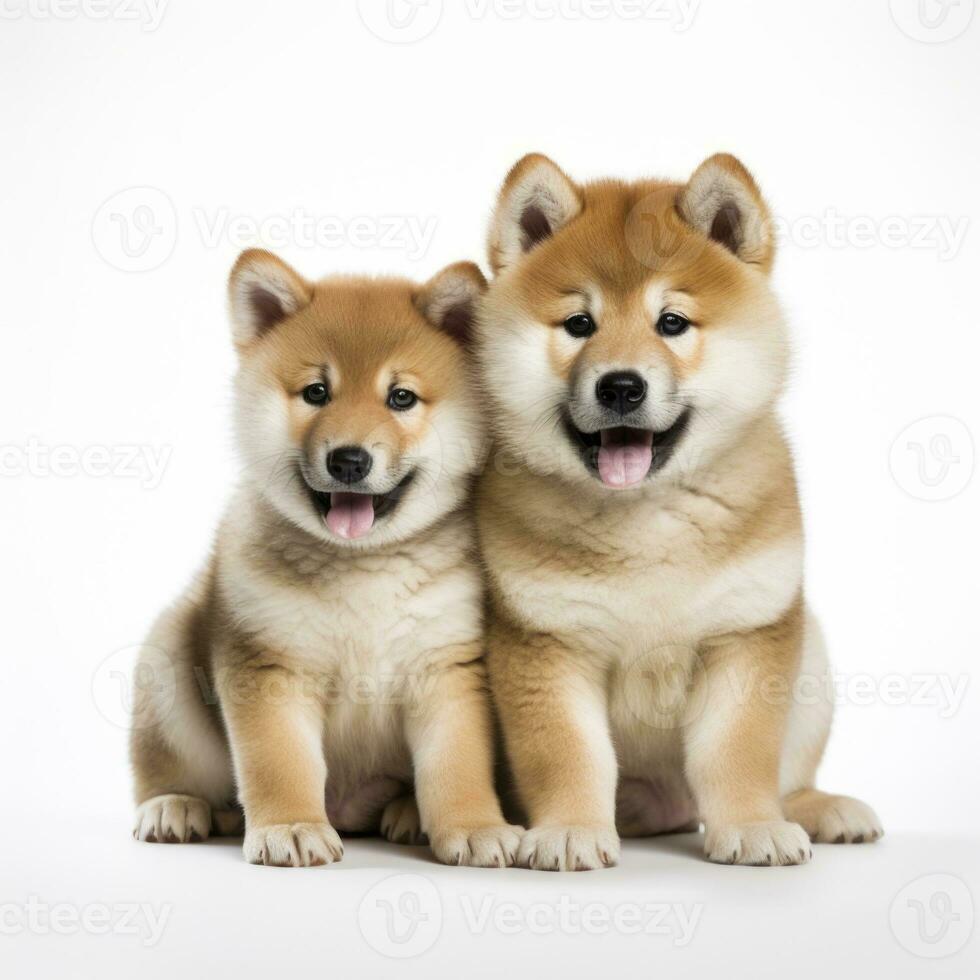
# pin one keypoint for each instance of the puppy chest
(613, 607)
(642, 597)
(357, 623)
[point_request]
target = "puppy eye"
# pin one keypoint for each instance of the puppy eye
(401, 399)
(580, 325)
(315, 394)
(672, 324)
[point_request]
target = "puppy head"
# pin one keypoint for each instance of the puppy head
(356, 416)
(630, 333)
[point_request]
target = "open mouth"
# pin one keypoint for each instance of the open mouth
(622, 456)
(350, 514)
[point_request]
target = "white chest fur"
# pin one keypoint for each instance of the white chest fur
(360, 615)
(661, 574)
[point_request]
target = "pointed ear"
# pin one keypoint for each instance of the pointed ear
(262, 290)
(536, 200)
(448, 300)
(722, 201)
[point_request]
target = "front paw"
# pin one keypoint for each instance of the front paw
(401, 823)
(293, 845)
(494, 846)
(763, 843)
(561, 848)
(173, 818)
(844, 820)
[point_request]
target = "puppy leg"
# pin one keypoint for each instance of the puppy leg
(276, 734)
(827, 818)
(450, 734)
(181, 766)
(177, 797)
(554, 718)
(733, 740)
(170, 803)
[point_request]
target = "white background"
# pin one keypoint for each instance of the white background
(859, 121)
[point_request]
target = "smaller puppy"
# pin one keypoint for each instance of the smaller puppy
(327, 663)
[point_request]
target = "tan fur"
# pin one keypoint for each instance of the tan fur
(320, 682)
(644, 643)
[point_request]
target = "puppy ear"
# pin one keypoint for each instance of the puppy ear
(722, 201)
(536, 200)
(262, 291)
(448, 300)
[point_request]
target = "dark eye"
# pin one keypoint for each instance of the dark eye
(672, 324)
(315, 394)
(401, 399)
(580, 325)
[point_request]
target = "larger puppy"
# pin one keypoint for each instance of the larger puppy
(650, 650)
(329, 660)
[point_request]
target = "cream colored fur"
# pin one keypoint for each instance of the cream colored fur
(646, 645)
(328, 685)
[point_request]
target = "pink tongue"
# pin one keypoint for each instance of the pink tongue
(625, 460)
(351, 515)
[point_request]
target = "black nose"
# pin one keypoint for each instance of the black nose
(622, 391)
(349, 464)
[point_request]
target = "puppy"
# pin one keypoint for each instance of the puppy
(650, 651)
(326, 666)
